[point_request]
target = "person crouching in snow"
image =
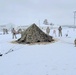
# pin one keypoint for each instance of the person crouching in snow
(14, 33)
(75, 42)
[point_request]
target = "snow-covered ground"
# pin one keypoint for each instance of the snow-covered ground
(58, 58)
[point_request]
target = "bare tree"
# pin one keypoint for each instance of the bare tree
(51, 24)
(45, 22)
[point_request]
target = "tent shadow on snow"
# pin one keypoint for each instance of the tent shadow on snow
(34, 34)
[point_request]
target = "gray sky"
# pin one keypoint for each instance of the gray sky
(24, 12)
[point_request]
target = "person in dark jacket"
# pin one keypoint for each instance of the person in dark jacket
(60, 31)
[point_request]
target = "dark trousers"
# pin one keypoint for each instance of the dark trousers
(60, 33)
(14, 36)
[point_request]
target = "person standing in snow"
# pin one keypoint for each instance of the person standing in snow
(60, 31)
(14, 33)
(54, 32)
(6, 31)
(75, 42)
(47, 30)
(3, 30)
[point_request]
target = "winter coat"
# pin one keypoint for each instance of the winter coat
(13, 31)
(60, 28)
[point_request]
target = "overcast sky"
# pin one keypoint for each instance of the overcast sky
(24, 12)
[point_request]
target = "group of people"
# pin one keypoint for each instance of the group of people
(54, 31)
(59, 33)
(13, 31)
(5, 31)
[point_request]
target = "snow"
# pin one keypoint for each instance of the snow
(58, 58)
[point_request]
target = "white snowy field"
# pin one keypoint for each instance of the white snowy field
(58, 58)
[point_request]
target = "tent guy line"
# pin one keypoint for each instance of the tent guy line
(11, 50)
